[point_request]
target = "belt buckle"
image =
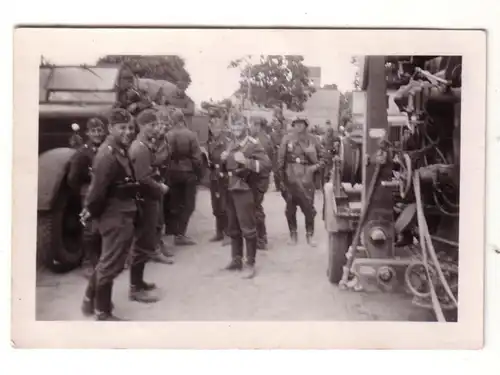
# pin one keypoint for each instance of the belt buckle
(298, 161)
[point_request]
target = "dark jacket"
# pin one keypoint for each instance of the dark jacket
(297, 155)
(267, 143)
(185, 152)
(240, 177)
(113, 188)
(80, 168)
(142, 156)
(215, 148)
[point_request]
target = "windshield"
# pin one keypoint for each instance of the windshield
(78, 84)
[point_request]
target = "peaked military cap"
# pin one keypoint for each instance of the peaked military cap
(147, 117)
(119, 116)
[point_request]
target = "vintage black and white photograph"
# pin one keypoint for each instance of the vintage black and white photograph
(213, 181)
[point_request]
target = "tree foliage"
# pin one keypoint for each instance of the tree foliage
(357, 77)
(345, 108)
(169, 68)
(275, 80)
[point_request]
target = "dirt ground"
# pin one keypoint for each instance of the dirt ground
(291, 283)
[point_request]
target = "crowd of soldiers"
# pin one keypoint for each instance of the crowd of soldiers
(138, 181)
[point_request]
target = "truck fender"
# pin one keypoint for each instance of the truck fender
(331, 221)
(52, 170)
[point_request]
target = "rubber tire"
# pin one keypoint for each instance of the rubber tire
(51, 250)
(338, 244)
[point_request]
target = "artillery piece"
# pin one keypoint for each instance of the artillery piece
(392, 203)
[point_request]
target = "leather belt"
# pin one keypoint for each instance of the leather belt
(299, 161)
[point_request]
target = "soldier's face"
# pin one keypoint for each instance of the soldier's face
(123, 133)
(238, 129)
(127, 82)
(96, 135)
(299, 127)
(162, 128)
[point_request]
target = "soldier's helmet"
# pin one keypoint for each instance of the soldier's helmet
(119, 116)
(300, 119)
(147, 117)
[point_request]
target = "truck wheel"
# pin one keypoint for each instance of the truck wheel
(59, 242)
(338, 243)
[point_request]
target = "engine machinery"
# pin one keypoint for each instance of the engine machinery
(392, 202)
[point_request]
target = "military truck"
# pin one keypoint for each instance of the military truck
(71, 95)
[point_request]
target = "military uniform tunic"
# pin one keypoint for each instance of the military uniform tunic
(142, 155)
(261, 187)
(218, 181)
(111, 201)
(79, 177)
(278, 131)
(299, 158)
(241, 185)
(184, 171)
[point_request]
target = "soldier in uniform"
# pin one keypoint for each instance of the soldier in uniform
(300, 156)
(278, 131)
(161, 162)
(180, 100)
(79, 177)
(217, 144)
(111, 201)
(142, 153)
(243, 159)
(184, 172)
(331, 145)
(261, 184)
(129, 96)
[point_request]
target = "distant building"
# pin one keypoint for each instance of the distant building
(315, 76)
(321, 107)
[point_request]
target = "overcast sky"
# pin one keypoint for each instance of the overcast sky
(207, 58)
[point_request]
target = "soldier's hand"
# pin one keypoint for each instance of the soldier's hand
(239, 157)
(164, 188)
(224, 155)
(84, 216)
(132, 107)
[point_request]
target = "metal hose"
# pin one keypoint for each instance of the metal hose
(426, 244)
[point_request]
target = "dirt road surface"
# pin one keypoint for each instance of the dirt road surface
(291, 283)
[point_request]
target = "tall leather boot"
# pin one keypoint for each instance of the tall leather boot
(88, 303)
(139, 289)
(251, 252)
(236, 263)
(310, 233)
(293, 238)
(219, 230)
(103, 303)
(261, 236)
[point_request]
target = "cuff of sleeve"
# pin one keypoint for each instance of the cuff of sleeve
(257, 166)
